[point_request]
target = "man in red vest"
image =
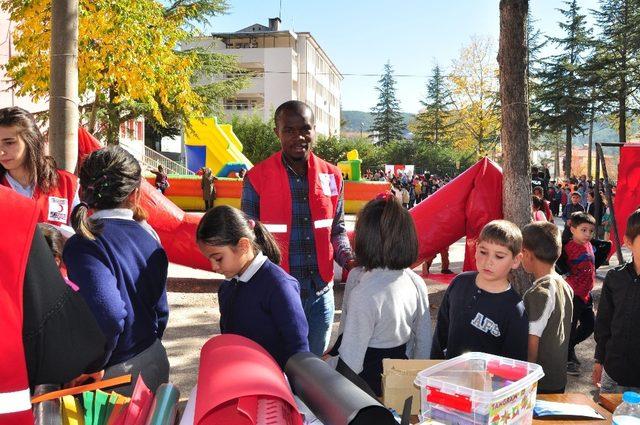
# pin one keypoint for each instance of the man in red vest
(299, 197)
(48, 334)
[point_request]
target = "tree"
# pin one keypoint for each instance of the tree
(128, 62)
(387, 119)
(512, 57)
(259, 141)
(562, 93)
(474, 79)
(617, 60)
(433, 123)
(535, 44)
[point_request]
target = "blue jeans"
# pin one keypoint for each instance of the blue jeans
(319, 310)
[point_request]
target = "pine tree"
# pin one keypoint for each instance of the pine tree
(433, 123)
(535, 43)
(617, 59)
(563, 94)
(387, 119)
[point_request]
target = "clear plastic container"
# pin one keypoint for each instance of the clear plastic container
(628, 413)
(479, 388)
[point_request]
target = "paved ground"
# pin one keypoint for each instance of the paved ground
(194, 318)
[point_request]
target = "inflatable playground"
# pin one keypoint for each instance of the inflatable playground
(459, 209)
(215, 146)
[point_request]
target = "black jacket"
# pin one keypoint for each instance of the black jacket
(60, 335)
(616, 331)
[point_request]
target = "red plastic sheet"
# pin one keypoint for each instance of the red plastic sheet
(240, 383)
(628, 189)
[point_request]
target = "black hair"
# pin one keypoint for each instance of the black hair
(108, 177)
(224, 225)
(537, 202)
(581, 217)
(385, 235)
(633, 225)
(42, 168)
(502, 232)
(54, 238)
(543, 240)
(296, 106)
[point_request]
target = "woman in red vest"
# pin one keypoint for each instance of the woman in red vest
(25, 168)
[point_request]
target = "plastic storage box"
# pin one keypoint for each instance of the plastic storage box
(479, 388)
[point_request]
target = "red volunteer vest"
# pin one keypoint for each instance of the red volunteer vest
(20, 214)
(54, 207)
(271, 181)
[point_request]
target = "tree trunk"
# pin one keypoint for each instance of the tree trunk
(568, 146)
(622, 117)
(556, 170)
(590, 153)
(113, 126)
(63, 95)
(512, 58)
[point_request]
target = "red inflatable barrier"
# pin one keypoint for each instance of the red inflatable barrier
(460, 208)
(628, 189)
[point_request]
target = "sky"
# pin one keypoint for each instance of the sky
(413, 35)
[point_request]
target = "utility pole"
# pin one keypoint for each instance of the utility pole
(63, 95)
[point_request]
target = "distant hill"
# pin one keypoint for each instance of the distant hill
(360, 120)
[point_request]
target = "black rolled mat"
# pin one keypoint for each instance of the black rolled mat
(330, 396)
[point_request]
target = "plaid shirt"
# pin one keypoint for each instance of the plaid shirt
(303, 263)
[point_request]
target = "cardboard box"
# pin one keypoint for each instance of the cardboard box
(397, 382)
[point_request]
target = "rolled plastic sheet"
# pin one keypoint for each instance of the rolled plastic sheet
(627, 198)
(330, 396)
(165, 406)
(239, 383)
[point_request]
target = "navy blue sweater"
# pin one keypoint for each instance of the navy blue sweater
(471, 319)
(122, 276)
(266, 309)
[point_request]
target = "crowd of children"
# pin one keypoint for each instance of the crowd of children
(116, 262)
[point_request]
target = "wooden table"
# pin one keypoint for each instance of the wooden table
(567, 398)
(610, 401)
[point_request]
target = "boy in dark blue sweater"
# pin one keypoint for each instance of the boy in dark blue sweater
(480, 310)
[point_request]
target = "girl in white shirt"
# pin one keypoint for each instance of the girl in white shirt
(385, 310)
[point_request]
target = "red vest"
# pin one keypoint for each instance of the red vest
(271, 181)
(21, 213)
(54, 207)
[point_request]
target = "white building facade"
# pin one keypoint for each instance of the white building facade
(286, 66)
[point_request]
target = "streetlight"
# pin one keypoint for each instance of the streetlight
(361, 129)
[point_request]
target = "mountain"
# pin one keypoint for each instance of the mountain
(356, 121)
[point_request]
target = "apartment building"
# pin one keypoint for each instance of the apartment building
(285, 65)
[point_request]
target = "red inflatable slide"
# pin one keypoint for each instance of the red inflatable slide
(460, 208)
(628, 189)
